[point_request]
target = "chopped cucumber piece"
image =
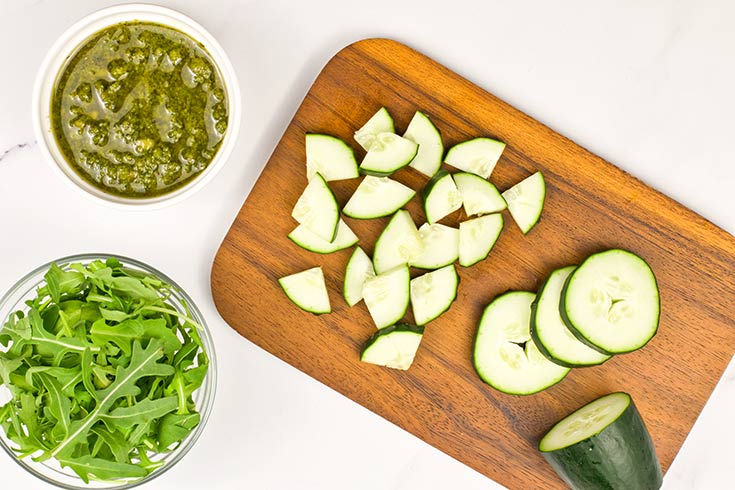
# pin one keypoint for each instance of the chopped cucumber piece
(359, 269)
(421, 130)
(394, 346)
(329, 156)
(477, 156)
(441, 197)
(441, 246)
(307, 290)
(398, 244)
(611, 302)
(317, 209)
(505, 356)
(433, 293)
(306, 239)
(526, 201)
(380, 122)
(388, 152)
(479, 196)
(376, 197)
(477, 237)
(386, 296)
(552, 337)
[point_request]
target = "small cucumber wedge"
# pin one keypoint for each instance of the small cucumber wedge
(611, 302)
(386, 296)
(307, 290)
(433, 293)
(479, 196)
(421, 130)
(306, 239)
(376, 197)
(388, 152)
(551, 335)
(477, 237)
(359, 269)
(317, 209)
(505, 356)
(394, 347)
(380, 122)
(478, 156)
(398, 244)
(441, 197)
(441, 246)
(526, 201)
(331, 157)
(604, 444)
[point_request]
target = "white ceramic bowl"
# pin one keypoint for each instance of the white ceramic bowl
(65, 47)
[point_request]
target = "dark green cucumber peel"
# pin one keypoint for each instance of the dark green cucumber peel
(398, 327)
(440, 174)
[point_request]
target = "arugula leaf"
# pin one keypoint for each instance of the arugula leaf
(175, 427)
(60, 282)
(140, 413)
(7, 366)
(102, 469)
(59, 405)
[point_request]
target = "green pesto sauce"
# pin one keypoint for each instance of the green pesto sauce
(139, 109)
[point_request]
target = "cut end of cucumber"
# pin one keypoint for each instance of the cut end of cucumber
(394, 347)
(433, 293)
(478, 156)
(359, 269)
(317, 209)
(329, 156)
(387, 295)
(526, 201)
(380, 122)
(441, 246)
(441, 197)
(388, 152)
(307, 290)
(308, 240)
(477, 237)
(376, 197)
(398, 244)
(479, 196)
(421, 130)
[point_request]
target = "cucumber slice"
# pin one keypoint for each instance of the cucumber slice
(551, 335)
(604, 444)
(398, 244)
(380, 122)
(394, 347)
(611, 302)
(317, 209)
(421, 130)
(359, 269)
(388, 152)
(376, 197)
(329, 156)
(478, 156)
(441, 197)
(477, 237)
(441, 246)
(505, 356)
(433, 293)
(479, 196)
(526, 201)
(307, 290)
(386, 296)
(306, 239)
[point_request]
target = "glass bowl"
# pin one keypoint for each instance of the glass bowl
(50, 471)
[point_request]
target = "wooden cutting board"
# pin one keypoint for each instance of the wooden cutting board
(590, 206)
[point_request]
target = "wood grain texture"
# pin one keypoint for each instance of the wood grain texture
(591, 205)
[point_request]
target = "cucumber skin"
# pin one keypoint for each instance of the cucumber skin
(456, 291)
(601, 462)
(440, 174)
(398, 327)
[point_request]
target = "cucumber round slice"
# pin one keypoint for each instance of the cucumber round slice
(479, 196)
(306, 239)
(604, 444)
(478, 156)
(441, 246)
(394, 347)
(398, 244)
(331, 157)
(359, 269)
(611, 302)
(421, 130)
(505, 356)
(386, 296)
(388, 152)
(477, 238)
(376, 197)
(550, 333)
(441, 197)
(526, 201)
(433, 293)
(307, 290)
(380, 122)
(317, 209)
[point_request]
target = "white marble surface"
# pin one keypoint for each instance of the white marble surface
(648, 85)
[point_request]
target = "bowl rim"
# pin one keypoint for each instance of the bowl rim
(209, 394)
(64, 47)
